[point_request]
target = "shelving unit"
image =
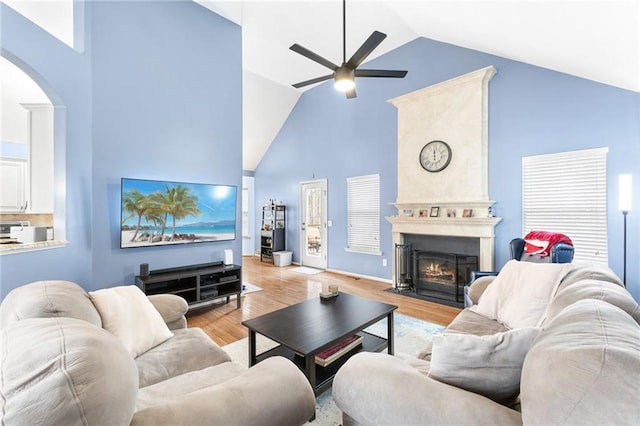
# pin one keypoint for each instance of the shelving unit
(272, 234)
(200, 285)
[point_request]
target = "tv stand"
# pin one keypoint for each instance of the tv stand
(201, 285)
(185, 268)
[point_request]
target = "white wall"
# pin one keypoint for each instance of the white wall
(16, 88)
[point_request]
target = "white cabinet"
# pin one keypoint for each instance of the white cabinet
(26, 180)
(40, 158)
(15, 185)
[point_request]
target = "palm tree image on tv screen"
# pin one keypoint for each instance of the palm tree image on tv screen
(155, 213)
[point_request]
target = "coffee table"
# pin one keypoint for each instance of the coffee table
(307, 328)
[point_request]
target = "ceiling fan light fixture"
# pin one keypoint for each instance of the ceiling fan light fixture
(344, 76)
(345, 79)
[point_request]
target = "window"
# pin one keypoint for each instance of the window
(245, 212)
(567, 192)
(363, 214)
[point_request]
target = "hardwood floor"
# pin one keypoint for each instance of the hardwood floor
(282, 287)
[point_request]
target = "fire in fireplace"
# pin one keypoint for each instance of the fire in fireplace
(440, 272)
(442, 275)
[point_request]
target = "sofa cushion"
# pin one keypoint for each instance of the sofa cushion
(594, 289)
(272, 392)
(163, 392)
(467, 322)
(64, 371)
(190, 349)
(470, 322)
(521, 293)
(584, 368)
(48, 299)
(129, 315)
(489, 365)
(589, 271)
(379, 389)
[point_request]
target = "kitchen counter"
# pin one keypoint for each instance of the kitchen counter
(16, 247)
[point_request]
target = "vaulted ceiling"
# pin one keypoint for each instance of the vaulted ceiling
(594, 39)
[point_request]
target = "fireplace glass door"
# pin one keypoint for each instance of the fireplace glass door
(442, 275)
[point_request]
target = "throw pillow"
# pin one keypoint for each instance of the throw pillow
(489, 365)
(520, 294)
(129, 315)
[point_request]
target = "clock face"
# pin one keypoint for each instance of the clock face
(435, 156)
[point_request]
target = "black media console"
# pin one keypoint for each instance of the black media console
(200, 285)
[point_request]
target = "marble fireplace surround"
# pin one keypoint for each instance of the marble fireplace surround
(454, 111)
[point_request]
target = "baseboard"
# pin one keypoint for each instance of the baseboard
(350, 274)
(368, 277)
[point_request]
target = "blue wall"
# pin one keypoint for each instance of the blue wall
(65, 76)
(157, 95)
(531, 111)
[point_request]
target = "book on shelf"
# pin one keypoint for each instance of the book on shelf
(329, 355)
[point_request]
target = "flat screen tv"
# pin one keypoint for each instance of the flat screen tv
(157, 213)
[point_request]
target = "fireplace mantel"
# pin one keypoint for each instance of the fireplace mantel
(473, 227)
(483, 204)
(477, 227)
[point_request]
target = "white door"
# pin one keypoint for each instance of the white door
(313, 224)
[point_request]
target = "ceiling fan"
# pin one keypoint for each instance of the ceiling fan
(345, 74)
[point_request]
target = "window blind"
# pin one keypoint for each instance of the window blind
(363, 214)
(567, 192)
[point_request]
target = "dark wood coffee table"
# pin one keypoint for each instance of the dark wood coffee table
(307, 328)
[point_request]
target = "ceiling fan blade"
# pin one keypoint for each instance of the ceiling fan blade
(367, 47)
(313, 56)
(380, 73)
(312, 81)
(351, 93)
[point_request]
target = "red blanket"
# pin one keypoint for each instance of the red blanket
(540, 242)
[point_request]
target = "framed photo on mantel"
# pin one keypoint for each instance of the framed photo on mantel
(435, 212)
(407, 212)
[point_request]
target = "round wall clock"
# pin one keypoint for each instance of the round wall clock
(435, 156)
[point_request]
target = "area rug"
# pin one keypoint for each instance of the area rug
(411, 336)
(250, 288)
(306, 270)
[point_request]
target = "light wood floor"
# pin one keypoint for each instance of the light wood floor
(282, 287)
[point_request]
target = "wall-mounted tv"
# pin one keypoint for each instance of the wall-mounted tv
(156, 213)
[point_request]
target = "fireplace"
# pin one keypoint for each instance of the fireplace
(442, 276)
(449, 212)
(437, 276)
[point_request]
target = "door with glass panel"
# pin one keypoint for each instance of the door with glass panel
(313, 224)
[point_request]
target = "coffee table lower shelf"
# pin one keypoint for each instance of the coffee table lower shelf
(325, 375)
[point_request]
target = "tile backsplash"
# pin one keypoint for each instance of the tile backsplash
(36, 219)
